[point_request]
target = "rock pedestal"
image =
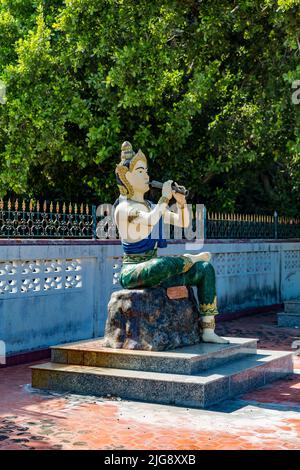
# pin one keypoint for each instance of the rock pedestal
(147, 319)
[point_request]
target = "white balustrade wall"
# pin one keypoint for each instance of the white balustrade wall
(55, 291)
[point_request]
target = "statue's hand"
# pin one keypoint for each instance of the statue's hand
(167, 189)
(180, 198)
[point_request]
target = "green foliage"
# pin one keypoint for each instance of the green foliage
(203, 87)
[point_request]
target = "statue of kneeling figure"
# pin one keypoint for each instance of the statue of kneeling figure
(140, 223)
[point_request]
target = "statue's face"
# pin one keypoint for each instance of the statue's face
(138, 177)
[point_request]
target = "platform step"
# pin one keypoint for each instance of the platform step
(292, 306)
(200, 390)
(288, 320)
(187, 360)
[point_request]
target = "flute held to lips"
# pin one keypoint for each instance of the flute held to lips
(175, 187)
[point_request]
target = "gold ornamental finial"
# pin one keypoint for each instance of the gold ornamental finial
(126, 150)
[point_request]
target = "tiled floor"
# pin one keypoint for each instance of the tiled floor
(268, 418)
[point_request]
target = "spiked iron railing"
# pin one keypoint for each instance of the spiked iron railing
(31, 219)
(239, 226)
(35, 220)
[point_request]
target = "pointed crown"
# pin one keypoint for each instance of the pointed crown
(127, 163)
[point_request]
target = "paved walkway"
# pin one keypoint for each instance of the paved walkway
(268, 418)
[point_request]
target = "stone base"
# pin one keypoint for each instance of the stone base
(290, 318)
(197, 376)
(148, 319)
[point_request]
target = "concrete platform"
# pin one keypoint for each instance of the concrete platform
(292, 306)
(288, 320)
(187, 360)
(291, 316)
(197, 376)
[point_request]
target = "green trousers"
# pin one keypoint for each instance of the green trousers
(170, 271)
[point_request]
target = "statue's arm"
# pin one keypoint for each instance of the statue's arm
(149, 219)
(135, 215)
(181, 218)
(127, 214)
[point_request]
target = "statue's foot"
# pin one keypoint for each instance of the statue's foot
(204, 256)
(209, 336)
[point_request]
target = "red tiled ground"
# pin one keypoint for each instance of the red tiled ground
(264, 327)
(268, 418)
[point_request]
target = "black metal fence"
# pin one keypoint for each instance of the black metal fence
(60, 220)
(33, 220)
(245, 226)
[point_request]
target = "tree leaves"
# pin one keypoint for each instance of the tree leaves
(204, 88)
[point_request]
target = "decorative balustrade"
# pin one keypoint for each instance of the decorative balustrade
(40, 276)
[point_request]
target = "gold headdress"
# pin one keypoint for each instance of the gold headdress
(128, 161)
